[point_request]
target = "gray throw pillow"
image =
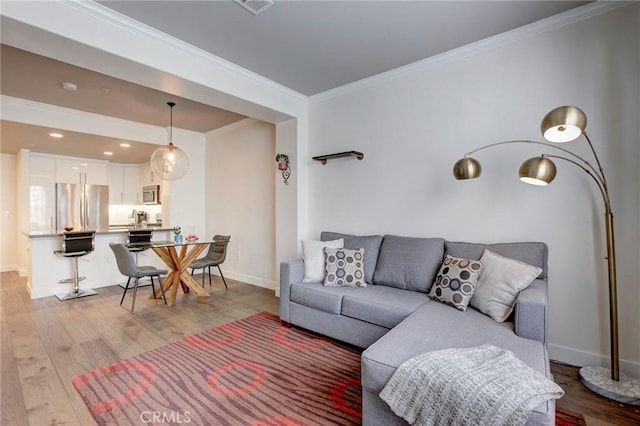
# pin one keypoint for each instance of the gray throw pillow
(344, 267)
(409, 263)
(370, 244)
(500, 282)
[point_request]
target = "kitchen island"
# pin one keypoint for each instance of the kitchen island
(99, 267)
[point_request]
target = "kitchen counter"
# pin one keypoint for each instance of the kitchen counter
(46, 268)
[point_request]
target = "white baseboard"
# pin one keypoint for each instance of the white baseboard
(249, 279)
(8, 268)
(582, 358)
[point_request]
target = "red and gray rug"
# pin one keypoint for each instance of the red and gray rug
(252, 372)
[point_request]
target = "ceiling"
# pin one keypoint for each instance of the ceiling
(307, 46)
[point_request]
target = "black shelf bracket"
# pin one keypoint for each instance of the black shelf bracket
(323, 158)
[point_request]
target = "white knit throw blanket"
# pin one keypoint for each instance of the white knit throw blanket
(484, 385)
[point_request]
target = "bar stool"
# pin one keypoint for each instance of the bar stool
(75, 245)
(138, 236)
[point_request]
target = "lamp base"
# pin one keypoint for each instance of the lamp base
(598, 379)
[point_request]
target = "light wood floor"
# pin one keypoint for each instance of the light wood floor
(45, 343)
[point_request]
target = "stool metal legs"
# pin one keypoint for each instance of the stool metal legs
(75, 292)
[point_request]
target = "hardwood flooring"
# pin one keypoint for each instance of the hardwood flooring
(45, 343)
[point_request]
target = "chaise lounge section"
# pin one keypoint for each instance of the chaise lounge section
(394, 319)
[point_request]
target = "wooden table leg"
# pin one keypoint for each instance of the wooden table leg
(179, 263)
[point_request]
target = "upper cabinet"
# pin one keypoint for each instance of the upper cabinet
(81, 171)
(147, 177)
(124, 184)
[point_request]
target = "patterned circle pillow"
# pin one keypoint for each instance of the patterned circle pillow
(344, 267)
(456, 282)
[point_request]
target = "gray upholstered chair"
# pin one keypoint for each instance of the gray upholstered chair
(215, 256)
(128, 268)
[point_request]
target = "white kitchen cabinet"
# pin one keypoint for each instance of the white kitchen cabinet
(81, 170)
(131, 189)
(147, 177)
(42, 182)
(115, 177)
(124, 184)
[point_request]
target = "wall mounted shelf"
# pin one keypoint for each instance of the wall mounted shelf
(323, 158)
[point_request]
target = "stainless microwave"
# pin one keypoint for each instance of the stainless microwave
(151, 194)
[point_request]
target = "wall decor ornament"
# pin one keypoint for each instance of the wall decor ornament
(565, 124)
(283, 165)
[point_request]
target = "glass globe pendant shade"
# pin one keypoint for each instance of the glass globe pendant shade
(169, 162)
(538, 171)
(467, 168)
(563, 124)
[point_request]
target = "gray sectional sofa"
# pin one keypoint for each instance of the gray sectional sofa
(394, 319)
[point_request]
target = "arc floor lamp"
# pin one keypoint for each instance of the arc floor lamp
(565, 124)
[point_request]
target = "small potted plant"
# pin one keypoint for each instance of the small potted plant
(283, 161)
(177, 237)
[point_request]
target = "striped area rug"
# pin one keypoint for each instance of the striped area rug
(250, 372)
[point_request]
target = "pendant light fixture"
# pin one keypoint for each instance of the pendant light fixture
(169, 162)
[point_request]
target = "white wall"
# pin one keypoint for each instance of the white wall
(240, 198)
(413, 124)
(8, 210)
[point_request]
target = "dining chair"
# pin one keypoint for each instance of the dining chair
(128, 268)
(75, 245)
(215, 257)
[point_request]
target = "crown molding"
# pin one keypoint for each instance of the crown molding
(116, 19)
(548, 24)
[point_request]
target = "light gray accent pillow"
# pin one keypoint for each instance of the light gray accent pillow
(344, 267)
(501, 280)
(370, 244)
(313, 256)
(409, 263)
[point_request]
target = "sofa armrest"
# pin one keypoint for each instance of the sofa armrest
(291, 271)
(530, 318)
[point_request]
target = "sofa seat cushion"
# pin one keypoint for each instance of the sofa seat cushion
(383, 306)
(435, 326)
(323, 298)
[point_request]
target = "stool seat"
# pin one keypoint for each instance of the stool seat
(75, 245)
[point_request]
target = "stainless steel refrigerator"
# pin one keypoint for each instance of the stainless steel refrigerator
(82, 206)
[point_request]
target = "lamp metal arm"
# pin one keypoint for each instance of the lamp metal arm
(596, 175)
(601, 186)
(593, 151)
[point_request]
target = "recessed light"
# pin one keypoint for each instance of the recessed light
(108, 153)
(75, 168)
(72, 87)
(84, 164)
(56, 135)
(125, 145)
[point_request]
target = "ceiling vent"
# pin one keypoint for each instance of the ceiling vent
(255, 6)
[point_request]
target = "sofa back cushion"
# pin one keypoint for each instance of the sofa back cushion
(370, 244)
(409, 263)
(533, 253)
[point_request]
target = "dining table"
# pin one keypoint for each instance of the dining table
(177, 257)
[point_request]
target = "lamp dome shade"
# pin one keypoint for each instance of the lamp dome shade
(169, 162)
(538, 171)
(467, 168)
(563, 124)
